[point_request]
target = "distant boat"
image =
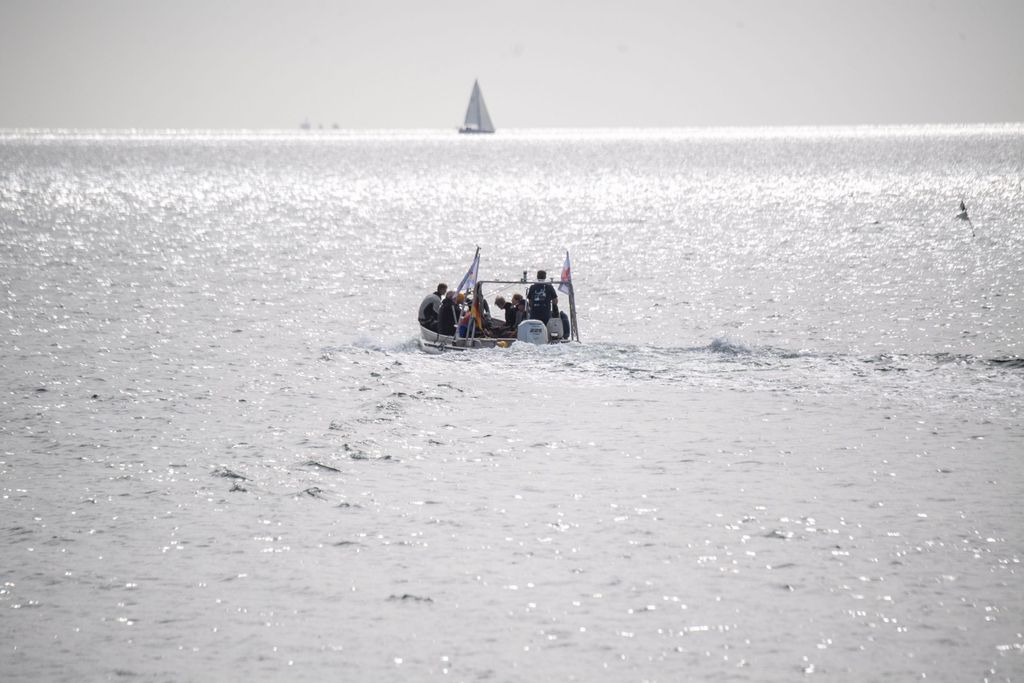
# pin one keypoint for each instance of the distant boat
(477, 118)
(964, 217)
(963, 212)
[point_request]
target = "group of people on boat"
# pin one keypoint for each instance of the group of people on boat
(449, 313)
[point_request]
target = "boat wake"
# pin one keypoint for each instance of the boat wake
(724, 350)
(396, 345)
(726, 345)
(926, 379)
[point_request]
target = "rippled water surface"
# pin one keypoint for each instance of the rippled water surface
(788, 447)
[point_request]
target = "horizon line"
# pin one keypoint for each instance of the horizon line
(298, 130)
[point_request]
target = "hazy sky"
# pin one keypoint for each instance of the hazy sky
(411, 63)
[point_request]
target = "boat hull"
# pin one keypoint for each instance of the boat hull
(432, 342)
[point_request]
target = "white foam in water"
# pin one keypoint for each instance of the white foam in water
(726, 345)
(789, 445)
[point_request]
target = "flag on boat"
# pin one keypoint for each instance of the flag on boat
(478, 306)
(566, 275)
(469, 279)
(478, 314)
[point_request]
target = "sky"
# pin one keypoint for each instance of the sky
(254, 64)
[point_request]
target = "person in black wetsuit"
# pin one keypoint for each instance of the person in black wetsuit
(448, 316)
(430, 307)
(541, 296)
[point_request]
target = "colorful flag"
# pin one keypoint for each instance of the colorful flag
(469, 279)
(566, 275)
(478, 314)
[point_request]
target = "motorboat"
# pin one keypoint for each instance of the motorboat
(477, 329)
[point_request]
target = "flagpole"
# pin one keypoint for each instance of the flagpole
(567, 269)
(572, 312)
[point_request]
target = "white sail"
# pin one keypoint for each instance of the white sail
(477, 118)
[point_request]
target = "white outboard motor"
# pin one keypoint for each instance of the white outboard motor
(532, 331)
(555, 328)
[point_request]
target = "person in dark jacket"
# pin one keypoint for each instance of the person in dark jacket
(541, 296)
(510, 316)
(448, 316)
(519, 306)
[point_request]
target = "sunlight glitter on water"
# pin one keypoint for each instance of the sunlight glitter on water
(786, 446)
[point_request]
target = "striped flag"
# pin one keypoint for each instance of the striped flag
(469, 279)
(566, 275)
(477, 310)
(478, 314)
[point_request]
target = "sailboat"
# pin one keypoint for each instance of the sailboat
(477, 118)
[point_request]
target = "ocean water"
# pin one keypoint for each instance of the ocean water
(789, 447)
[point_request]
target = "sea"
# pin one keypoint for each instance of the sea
(790, 445)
